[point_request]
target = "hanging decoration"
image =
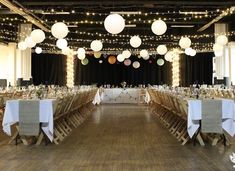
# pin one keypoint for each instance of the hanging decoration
(159, 27)
(96, 45)
(114, 23)
(112, 59)
(135, 41)
(59, 30)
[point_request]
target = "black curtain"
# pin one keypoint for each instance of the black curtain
(196, 69)
(105, 73)
(49, 69)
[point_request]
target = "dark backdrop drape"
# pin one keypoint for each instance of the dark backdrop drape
(49, 69)
(196, 69)
(105, 73)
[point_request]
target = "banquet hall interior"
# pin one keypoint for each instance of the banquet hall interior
(117, 85)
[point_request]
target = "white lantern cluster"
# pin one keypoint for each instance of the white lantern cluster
(162, 49)
(66, 51)
(36, 36)
(159, 27)
(120, 58)
(114, 23)
(190, 52)
(126, 54)
(96, 45)
(185, 42)
(81, 53)
(135, 41)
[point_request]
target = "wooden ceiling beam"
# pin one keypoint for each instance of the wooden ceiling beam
(20, 11)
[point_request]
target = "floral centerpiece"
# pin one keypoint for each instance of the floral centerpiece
(39, 92)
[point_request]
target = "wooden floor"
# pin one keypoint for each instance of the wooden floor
(117, 137)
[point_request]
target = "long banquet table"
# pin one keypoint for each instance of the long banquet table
(123, 95)
(173, 104)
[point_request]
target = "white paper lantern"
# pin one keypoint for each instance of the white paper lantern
(96, 45)
(38, 35)
(217, 47)
(126, 54)
(222, 40)
(136, 64)
(30, 43)
(81, 51)
(100, 61)
(169, 56)
(162, 49)
(66, 51)
(114, 23)
(193, 52)
(135, 41)
(38, 50)
(59, 30)
(81, 56)
(159, 27)
(144, 53)
(160, 62)
(61, 43)
(22, 45)
(85, 61)
(185, 42)
(146, 57)
(188, 51)
(120, 58)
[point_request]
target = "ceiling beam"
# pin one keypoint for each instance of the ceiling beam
(222, 15)
(127, 2)
(27, 16)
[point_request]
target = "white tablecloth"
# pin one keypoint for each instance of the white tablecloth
(195, 115)
(120, 95)
(46, 111)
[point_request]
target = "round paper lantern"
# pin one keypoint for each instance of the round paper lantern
(127, 62)
(114, 23)
(38, 50)
(81, 56)
(135, 41)
(96, 45)
(85, 61)
(188, 51)
(159, 27)
(144, 53)
(97, 54)
(185, 42)
(126, 54)
(112, 59)
(222, 40)
(61, 43)
(120, 58)
(217, 47)
(100, 61)
(146, 57)
(193, 52)
(22, 45)
(161, 49)
(136, 64)
(59, 30)
(81, 51)
(66, 51)
(38, 35)
(169, 56)
(30, 43)
(160, 62)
